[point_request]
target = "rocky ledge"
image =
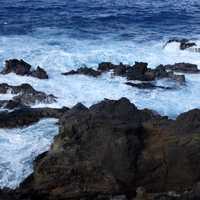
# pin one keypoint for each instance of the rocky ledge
(24, 95)
(114, 151)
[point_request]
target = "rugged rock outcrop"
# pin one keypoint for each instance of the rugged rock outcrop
(25, 95)
(112, 150)
(20, 67)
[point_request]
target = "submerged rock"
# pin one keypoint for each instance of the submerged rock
(85, 71)
(20, 67)
(147, 86)
(183, 67)
(184, 43)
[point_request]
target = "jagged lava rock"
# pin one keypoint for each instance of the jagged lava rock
(95, 152)
(20, 67)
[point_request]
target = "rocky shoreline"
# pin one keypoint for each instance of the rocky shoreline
(111, 150)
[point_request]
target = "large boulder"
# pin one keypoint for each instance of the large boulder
(95, 152)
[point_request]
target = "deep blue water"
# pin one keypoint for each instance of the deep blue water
(130, 19)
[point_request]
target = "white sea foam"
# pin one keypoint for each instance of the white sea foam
(60, 53)
(19, 147)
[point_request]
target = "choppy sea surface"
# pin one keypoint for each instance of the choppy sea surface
(63, 35)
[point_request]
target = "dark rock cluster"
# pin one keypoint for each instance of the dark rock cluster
(113, 151)
(139, 71)
(20, 67)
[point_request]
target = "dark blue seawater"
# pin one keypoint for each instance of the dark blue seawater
(124, 19)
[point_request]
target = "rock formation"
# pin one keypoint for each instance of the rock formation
(20, 67)
(109, 150)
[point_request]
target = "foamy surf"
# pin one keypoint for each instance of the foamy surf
(69, 54)
(20, 146)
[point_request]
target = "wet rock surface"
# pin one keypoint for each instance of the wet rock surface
(25, 95)
(84, 71)
(112, 150)
(20, 67)
(138, 72)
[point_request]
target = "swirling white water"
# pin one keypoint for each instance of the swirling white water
(71, 54)
(20, 146)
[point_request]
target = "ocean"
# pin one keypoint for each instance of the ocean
(64, 35)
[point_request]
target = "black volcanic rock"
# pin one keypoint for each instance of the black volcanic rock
(20, 67)
(112, 148)
(94, 154)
